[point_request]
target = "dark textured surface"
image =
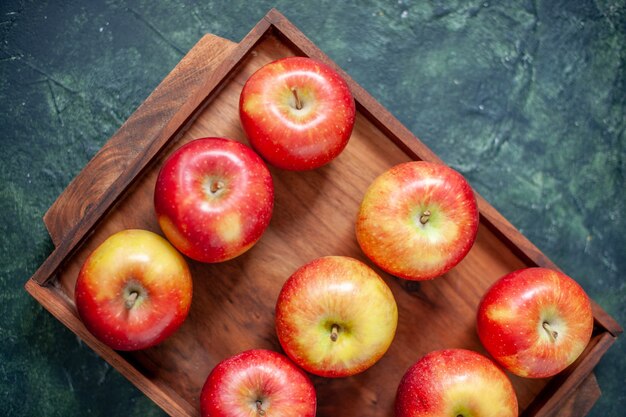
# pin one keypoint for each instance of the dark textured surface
(527, 99)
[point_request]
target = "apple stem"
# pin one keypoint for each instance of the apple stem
(334, 332)
(132, 298)
(425, 216)
(553, 333)
(259, 407)
(298, 102)
(216, 186)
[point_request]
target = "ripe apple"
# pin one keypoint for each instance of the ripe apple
(257, 383)
(535, 322)
(214, 199)
(417, 220)
(455, 383)
(298, 113)
(134, 290)
(335, 317)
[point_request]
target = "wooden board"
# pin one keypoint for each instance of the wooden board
(314, 216)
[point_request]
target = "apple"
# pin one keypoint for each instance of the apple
(417, 220)
(214, 199)
(134, 290)
(335, 317)
(535, 322)
(298, 113)
(455, 383)
(257, 383)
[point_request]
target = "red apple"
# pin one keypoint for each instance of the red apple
(298, 113)
(535, 322)
(134, 290)
(455, 383)
(335, 317)
(417, 220)
(257, 383)
(214, 199)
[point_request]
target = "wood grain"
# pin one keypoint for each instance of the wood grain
(586, 395)
(314, 216)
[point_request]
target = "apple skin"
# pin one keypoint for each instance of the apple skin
(288, 137)
(133, 261)
(511, 317)
(213, 199)
(341, 293)
(257, 383)
(455, 383)
(417, 220)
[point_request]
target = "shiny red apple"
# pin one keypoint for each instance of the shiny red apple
(535, 322)
(134, 290)
(214, 199)
(455, 383)
(298, 113)
(417, 220)
(257, 383)
(335, 317)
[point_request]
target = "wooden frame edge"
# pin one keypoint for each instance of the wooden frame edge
(366, 104)
(121, 135)
(564, 385)
(63, 311)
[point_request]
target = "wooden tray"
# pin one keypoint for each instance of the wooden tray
(233, 305)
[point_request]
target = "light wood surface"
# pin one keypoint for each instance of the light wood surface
(233, 305)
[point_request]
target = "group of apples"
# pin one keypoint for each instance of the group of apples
(335, 316)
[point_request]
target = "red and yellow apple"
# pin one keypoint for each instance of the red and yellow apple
(417, 220)
(335, 317)
(214, 199)
(298, 113)
(455, 383)
(535, 322)
(134, 290)
(257, 383)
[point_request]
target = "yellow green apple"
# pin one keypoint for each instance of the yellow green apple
(335, 317)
